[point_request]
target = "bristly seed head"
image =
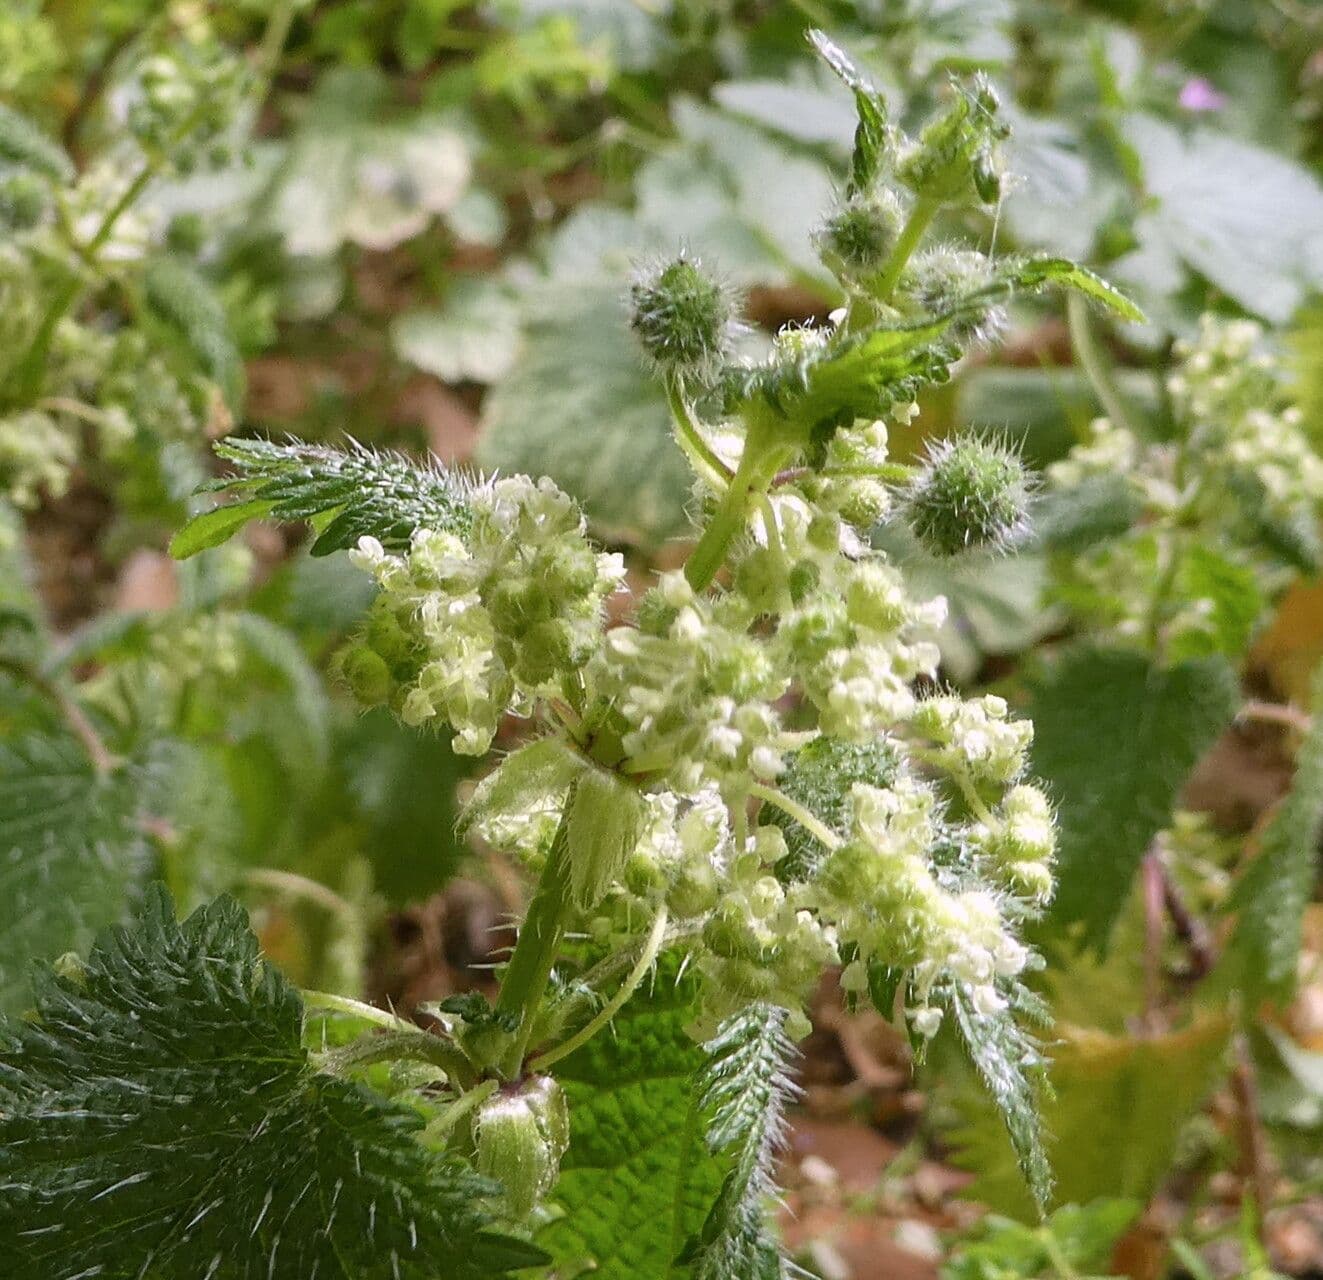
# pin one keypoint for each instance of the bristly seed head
(858, 238)
(972, 495)
(681, 315)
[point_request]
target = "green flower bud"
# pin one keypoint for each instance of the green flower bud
(681, 316)
(367, 675)
(942, 279)
(956, 153)
(972, 495)
(521, 1135)
(605, 821)
(858, 238)
(694, 890)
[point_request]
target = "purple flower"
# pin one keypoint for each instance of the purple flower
(1199, 94)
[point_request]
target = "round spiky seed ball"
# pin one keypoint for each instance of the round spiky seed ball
(971, 495)
(858, 238)
(681, 316)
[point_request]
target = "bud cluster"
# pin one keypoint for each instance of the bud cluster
(464, 630)
(1238, 478)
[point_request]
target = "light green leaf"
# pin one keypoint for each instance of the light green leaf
(1274, 891)
(579, 406)
(473, 337)
(73, 854)
(1225, 606)
(1115, 737)
(160, 1116)
(1146, 1088)
(1245, 218)
(802, 110)
(638, 1180)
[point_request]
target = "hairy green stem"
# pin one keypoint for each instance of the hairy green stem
(395, 1046)
(440, 1128)
(690, 439)
(356, 1008)
(1094, 362)
(911, 233)
(710, 553)
(651, 947)
(526, 976)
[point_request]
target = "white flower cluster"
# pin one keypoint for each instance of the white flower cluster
(464, 630)
(1229, 389)
(1239, 479)
(900, 909)
(695, 689)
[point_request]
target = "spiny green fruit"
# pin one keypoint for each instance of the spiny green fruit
(945, 279)
(971, 495)
(858, 238)
(681, 316)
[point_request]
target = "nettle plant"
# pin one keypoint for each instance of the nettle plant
(757, 777)
(114, 349)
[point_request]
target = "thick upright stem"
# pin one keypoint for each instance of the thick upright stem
(529, 971)
(755, 471)
(1095, 364)
(911, 233)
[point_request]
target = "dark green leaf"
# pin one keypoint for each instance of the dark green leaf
(73, 854)
(1115, 737)
(1099, 509)
(638, 1180)
(745, 1086)
(160, 1117)
(1011, 1066)
(819, 777)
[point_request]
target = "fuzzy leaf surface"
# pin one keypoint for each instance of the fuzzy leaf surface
(746, 1086)
(160, 1117)
(1115, 737)
(346, 493)
(638, 1180)
(72, 854)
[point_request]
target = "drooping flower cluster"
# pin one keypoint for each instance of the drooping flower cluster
(466, 629)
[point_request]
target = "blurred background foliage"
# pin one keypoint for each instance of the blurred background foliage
(412, 222)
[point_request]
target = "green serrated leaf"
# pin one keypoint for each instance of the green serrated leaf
(579, 407)
(186, 302)
(637, 1181)
(1225, 600)
(1275, 890)
(1115, 737)
(1146, 1088)
(22, 143)
(73, 854)
(347, 494)
(870, 137)
(745, 1089)
(1035, 273)
(160, 1117)
(1011, 1066)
